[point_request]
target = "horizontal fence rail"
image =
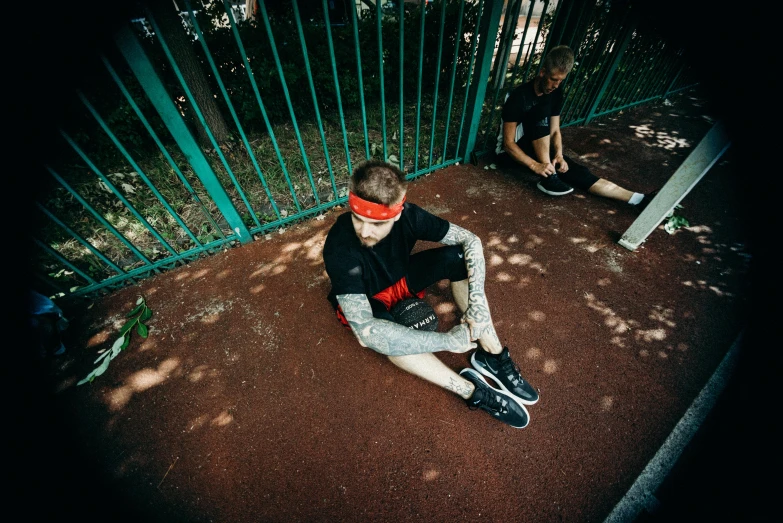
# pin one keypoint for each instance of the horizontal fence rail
(208, 124)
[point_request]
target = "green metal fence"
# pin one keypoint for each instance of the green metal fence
(619, 62)
(207, 128)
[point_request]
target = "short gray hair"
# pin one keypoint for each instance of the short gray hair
(560, 58)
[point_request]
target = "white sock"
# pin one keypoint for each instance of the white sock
(636, 198)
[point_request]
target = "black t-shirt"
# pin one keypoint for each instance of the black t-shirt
(355, 269)
(533, 112)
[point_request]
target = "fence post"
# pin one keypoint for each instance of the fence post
(144, 71)
(615, 64)
(487, 33)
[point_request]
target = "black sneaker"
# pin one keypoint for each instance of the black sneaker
(504, 371)
(501, 405)
(554, 186)
(642, 205)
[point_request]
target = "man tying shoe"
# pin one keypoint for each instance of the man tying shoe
(530, 137)
(368, 258)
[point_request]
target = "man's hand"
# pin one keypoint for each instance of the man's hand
(543, 169)
(560, 163)
(461, 334)
(477, 318)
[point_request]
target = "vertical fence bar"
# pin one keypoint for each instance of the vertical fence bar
(197, 111)
(337, 91)
(117, 193)
(273, 45)
(650, 73)
(470, 77)
(501, 67)
(455, 61)
(662, 80)
(594, 55)
(319, 123)
(79, 239)
(522, 44)
(357, 45)
(379, 30)
(573, 81)
(437, 80)
(564, 24)
(163, 150)
(674, 80)
(156, 92)
(506, 42)
(402, 61)
(136, 168)
(615, 96)
(245, 142)
(478, 89)
(423, 4)
(549, 36)
(100, 218)
(539, 28)
(624, 40)
(582, 21)
(63, 260)
(646, 70)
(254, 85)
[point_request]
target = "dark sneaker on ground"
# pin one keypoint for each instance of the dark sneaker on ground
(554, 186)
(642, 205)
(501, 405)
(504, 371)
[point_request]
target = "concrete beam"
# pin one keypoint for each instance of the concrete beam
(685, 178)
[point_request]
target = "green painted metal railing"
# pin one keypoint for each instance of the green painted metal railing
(200, 131)
(618, 65)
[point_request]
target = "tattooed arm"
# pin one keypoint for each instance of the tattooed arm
(477, 315)
(392, 339)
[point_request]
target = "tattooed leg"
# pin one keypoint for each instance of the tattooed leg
(430, 368)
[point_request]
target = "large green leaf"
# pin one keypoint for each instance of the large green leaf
(135, 311)
(117, 347)
(128, 326)
(96, 372)
(142, 330)
(146, 314)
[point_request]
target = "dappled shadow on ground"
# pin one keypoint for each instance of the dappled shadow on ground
(249, 401)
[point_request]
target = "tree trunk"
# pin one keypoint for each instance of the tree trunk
(181, 47)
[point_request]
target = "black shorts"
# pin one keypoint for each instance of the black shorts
(425, 268)
(577, 175)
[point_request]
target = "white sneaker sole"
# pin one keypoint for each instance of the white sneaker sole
(488, 374)
(552, 193)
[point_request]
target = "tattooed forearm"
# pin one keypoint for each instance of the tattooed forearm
(392, 339)
(474, 261)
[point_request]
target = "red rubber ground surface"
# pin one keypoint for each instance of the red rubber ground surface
(250, 402)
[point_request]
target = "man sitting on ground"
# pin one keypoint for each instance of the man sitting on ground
(530, 139)
(368, 258)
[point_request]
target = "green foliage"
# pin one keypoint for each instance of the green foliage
(674, 221)
(138, 316)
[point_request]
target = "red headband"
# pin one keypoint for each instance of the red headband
(372, 210)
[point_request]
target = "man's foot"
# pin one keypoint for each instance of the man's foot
(554, 186)
(501, 405)
(642, 205)
(502, 369)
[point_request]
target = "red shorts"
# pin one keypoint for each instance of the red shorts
(389, 297)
